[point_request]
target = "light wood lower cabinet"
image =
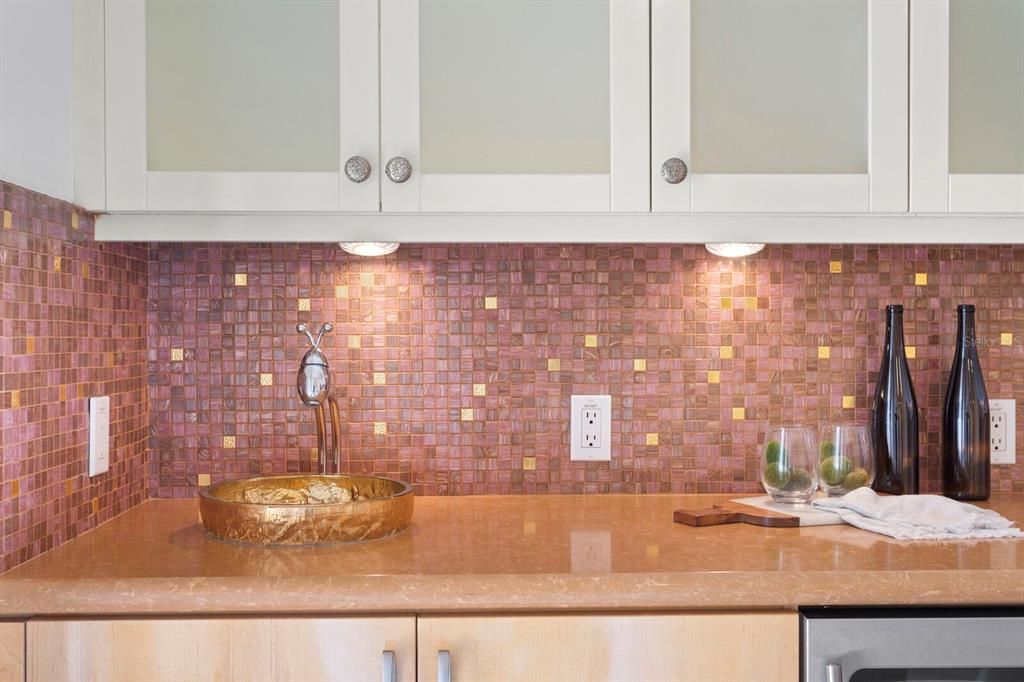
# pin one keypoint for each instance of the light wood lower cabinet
(758, 647)
(12, 652)
(236, 649)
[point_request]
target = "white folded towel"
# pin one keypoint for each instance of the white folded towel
(918, 517)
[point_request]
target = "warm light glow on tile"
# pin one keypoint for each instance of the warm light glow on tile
(241, 279)
(177, 354)
(1006, 339)
(203, 480)
(479, 389)
(266, 379)
(554, 364)
(921, 279)
(751, 302)
(529, 527)
(725, 352)
(824, 352)
(353, 341)
(304, 305)
(725, 303)
(366, 279)
(640, 365)
(229, 442)
(380, 378)
(652, 439)
(74, 220)
(95, 505)
(58, 263)
(341, 291)
(590, 340)
(380, 428)
(714, 376)
(467, 414)
(911, 352)
(652, 551)
(490, 302)
(739, 413)
(8, 220)
(849, 402)
(529, 463)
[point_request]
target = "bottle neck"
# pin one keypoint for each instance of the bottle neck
(894, 332)
(965, 334)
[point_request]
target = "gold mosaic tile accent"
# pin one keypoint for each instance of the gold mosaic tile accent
(921, 279)
(30, 345)
(739, 413)
(466, 414)
(366, 279)
(824, 352)
(1006, 339)
(304, 305)
(58, 263)
(490, 302)
(725, 303)
(639, 365)
(8, 220)
(69, 487)
(95, 505)
(554, 364)
(177, 354)
(849, 402)
(241, 279)
(725, 352)
(835, 266)
(380, 378)
(228, 442)
(750, 303)
(590, 341)
(354, 341)
(203, 480)
(15, 488)
(911, 352)
(85, 271)
(529, 463)
(479, 389)
(16, 398)
(714, 376)
(266, 379)
(341, 291)
(380, 428)
(74, 220)
(62, 393)
(652, 439)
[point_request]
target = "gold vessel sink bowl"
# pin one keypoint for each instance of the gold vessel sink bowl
(306, 509)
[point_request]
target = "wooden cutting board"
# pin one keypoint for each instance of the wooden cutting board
(759, 511)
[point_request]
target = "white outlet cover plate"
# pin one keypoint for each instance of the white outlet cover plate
(602, 404)
(99, 435)
(1008, 408)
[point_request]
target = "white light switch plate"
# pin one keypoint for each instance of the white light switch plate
(1003, 431)
(99, 435)
(590, 428)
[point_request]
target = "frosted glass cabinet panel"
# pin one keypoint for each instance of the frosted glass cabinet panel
(227, 105)
(514, 105)
(779, 105)
(967, 106)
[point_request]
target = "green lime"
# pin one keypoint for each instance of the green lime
(835, 469)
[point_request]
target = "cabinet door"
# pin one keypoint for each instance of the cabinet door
(237, 649)
(967, 106)
(761, 647)
(217, 105)
(780, 105)
(12, 652)
(515, 105)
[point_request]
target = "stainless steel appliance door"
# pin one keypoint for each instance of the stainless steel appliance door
(930, 648)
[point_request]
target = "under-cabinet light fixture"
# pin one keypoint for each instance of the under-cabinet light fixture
(369, 248)
(733, 249)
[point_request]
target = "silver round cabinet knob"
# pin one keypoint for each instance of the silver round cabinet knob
(398, 169)
(674, 171)
(357, 169)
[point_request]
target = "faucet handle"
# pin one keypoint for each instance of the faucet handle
(325, 328)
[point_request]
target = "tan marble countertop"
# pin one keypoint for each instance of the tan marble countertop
(510, 553)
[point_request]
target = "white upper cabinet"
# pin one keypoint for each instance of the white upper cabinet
(218, 105)
(515, 105)
(779, 105)
(967, 106)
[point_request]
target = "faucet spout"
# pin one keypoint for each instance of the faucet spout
(314, 387)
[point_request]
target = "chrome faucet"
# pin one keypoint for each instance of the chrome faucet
(314, 385)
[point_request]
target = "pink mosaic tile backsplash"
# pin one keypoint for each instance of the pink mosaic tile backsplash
(72, 325)
(454, 363)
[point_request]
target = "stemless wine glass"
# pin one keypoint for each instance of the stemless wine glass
(846, 460)
(788, 464)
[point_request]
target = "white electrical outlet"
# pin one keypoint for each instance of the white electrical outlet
(99, 435)
(1003, 431)
(590, 428)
